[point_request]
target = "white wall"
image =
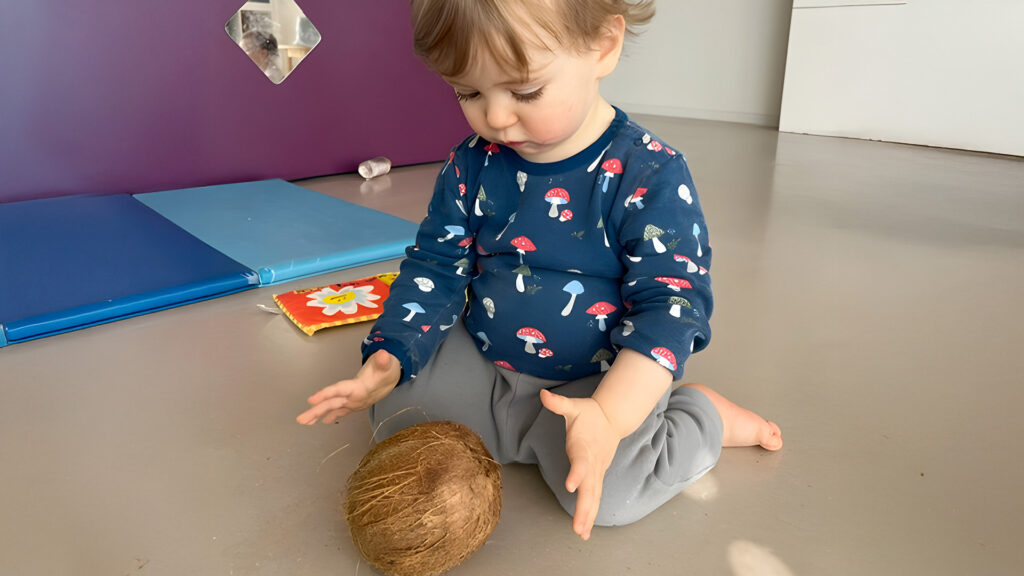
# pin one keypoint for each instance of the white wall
(719, 60)
(947, 73)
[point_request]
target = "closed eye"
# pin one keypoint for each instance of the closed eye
(466, 96)
(527, 97)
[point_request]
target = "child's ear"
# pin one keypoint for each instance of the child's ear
(609, 44)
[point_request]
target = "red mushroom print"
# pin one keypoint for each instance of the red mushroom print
(637, 198)
(691, 267)
(665, 357)
(466, 242)
(503, 364)
(523, 245)
(531, 336)
(556, 197)
(655, 145)
(545, 353)
(565, 216)
(611, 167)
(491, 148)
(675, 284)
(601, 310)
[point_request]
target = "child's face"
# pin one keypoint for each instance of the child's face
(555, 114)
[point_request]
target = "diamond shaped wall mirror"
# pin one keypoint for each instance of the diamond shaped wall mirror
(275, 34)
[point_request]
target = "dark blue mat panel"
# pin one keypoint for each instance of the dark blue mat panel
(71, 262)
(284, 231)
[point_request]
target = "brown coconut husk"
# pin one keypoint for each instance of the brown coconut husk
(424, 500)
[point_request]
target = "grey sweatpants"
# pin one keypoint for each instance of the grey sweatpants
(677, 444)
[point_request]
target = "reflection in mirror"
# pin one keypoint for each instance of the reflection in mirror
(275, 34)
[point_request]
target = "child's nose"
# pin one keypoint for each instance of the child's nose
(501, 115)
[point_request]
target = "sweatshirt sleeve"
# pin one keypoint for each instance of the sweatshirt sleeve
(666, 289)
(430, 292)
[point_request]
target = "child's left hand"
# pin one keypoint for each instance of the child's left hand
(590, 443)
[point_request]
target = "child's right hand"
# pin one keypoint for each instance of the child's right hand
(375, 380)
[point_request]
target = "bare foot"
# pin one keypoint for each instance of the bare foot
(741, 427)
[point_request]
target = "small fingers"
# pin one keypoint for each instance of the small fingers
(588, 500)
(310, 416)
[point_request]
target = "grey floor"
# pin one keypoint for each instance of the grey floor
(868, 300)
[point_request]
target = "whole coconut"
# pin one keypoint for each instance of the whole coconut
(423, 500)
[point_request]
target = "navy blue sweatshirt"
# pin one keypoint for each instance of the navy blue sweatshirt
(557, 265)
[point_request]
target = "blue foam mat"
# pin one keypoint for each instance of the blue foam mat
(284, 231)
(77, 261)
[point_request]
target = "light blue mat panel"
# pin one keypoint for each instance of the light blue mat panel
(77, 261)
(284, 231)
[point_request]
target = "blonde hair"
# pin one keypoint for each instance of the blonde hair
(447, 32)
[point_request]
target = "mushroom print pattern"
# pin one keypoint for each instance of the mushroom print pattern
(453, 231)
(545, 353)
(480, 197)
(691, 267)
(574, 288)
(696, 234)
(556, 197)
(491, 148)
(413, 309)
(521, 179)
(603, 356)
(651, 234)
(685, 194)
(565, 216)
(678, 303)
(675, 284)
(523, 245)
(611, 167)
(637, 198)
(531, 336)
(488, 307)
(600, 311)
(483, 338)
(665, 357)
(425, 284)
(520, 272)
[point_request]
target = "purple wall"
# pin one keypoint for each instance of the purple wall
(113, 96)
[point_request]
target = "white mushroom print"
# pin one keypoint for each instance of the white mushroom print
(600, 311)
(556, 197)
(480, 197)
(574, 289)
(413, 309)
(523, 245)
(637, 198)
(483, 337)
(489, 307)
(665, 357)
(531, 336)
(696, 234)
(521, 178)
(523, 270)
(684, 193)
(600, 225)
(678, 303)
(476, 138)
(603, 356)
(453, 231)
(451, 158)
(627, 327)
(425, 284)
(461, 266)
(611, 167)
(651, 234)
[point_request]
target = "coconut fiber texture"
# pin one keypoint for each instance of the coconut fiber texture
(423, 500)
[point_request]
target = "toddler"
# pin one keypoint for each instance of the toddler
(560, 279)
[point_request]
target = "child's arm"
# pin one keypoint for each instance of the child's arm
(594, 426)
